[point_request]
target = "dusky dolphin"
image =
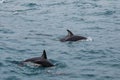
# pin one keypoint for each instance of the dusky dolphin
(72, 37)
(42, 61)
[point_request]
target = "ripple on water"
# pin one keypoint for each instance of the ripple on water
(105, 13)
(89, 75)
(87, 5)
(2, 1)
(1, 64)
(6, 31)
(56, 4)
(12, 78)
(30, 5)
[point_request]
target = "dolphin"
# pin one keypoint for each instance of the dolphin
(72, 37)
(42, 61)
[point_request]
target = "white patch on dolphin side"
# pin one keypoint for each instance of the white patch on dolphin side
(32, 64)
(89, 39)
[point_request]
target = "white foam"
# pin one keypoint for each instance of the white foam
(32, 64)
(89, 39)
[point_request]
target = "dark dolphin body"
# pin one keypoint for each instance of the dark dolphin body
(42, 61)
(72, 37)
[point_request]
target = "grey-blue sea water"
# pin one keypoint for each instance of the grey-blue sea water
(27, 27)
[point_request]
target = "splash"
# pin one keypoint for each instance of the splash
(89, 39)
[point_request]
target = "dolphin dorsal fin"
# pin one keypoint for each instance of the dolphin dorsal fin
(69, 33)
(44, 56)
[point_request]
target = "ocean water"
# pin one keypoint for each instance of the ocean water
(27, 27)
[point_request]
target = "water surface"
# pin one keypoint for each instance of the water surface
(27, 27)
